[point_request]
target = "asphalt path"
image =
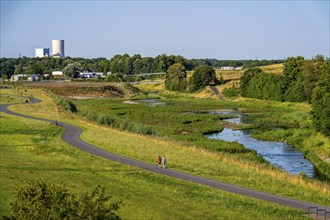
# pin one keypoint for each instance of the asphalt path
(72, 137)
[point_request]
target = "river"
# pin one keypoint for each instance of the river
(280, 154)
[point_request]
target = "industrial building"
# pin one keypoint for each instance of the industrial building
(42, 52)
(58, 48)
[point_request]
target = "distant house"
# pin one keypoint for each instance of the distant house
(231, 68)
(99, 74)
(18, 77)
(34, 77)
(227, 68)
(29, 77)
(87, 75)
(91, 74)
(57, 73)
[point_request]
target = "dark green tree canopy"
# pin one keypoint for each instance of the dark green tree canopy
(321, 101)
(72, 70)
(176, 78)
(202, 77)
(245, 79)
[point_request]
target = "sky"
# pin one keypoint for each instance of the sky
(193, 29)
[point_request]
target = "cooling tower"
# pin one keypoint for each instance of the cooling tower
(58, 48)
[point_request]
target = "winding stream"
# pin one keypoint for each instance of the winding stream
(279, 154)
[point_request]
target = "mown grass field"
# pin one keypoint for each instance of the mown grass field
(229, 74)
(32, 149)
(274, 68)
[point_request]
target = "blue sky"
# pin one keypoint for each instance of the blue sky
(193, 29)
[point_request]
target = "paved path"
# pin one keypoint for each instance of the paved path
(72, 137)
(217, 92)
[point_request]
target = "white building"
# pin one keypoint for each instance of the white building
(227, 68)
(91, 74)
(18, 77)
(57, 73)
(34, 77)
(87, 75)
(42, 52)
(58, 48)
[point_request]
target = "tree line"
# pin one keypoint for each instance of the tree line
(302, 81)
(119, 64)
(202, 76)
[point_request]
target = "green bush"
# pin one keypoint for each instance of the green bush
(321, 102)
(40, 200)
(231, 92)
(66, 104)
(119, 123)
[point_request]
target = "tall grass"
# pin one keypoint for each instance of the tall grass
(115, 122)
(64, 103)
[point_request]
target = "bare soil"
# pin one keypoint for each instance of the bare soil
(86, 89)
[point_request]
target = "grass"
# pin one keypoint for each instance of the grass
(229, 74)
(190, 159)
(32, 149)
(274, 68)
(151, 87)
(172, 121)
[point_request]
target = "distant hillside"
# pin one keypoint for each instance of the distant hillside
(274, 68)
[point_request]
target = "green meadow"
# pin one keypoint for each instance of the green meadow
(33, 150)
(179, 119)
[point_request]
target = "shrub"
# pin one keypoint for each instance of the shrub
(66, 104)
(231, 92)
(39, 200)
(119, 123)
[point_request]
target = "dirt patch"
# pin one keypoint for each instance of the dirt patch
(83, 90)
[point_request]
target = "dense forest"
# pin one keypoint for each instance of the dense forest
(302, 81)
(119, 64)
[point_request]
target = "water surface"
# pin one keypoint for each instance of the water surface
(277, 153)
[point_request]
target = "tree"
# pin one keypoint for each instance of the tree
(72, 70)
(176, 78)
(202, 77)
(292, 68)
(311, 73)
(245, 79)
(321, 101)
(39, 200)
(19, 69)
(7, 68)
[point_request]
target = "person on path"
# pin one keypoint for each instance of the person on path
(158, 161)
(164, 162)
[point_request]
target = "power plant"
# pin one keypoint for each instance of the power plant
(41, 52)
(58, 48)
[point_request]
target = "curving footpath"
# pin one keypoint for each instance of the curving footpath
(72, 137)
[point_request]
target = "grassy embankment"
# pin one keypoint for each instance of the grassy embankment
(220, 166)
(32, 149)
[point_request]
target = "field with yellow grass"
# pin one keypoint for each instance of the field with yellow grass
(274, 68)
